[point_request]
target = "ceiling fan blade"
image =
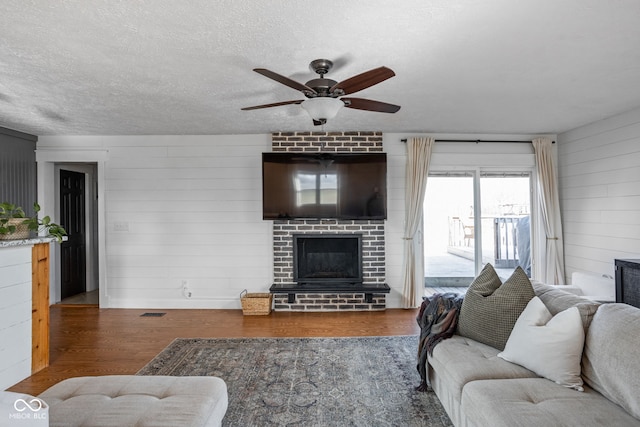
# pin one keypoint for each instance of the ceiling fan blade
(284, 80)
(275, 104)
(369, 105)
(364, 80)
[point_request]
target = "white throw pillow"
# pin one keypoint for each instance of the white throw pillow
(550, 346)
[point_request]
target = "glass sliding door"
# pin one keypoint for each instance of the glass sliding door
(505, 200)
(474, 218)
(449, 231)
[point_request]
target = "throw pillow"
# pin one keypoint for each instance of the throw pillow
(491, 308)
(550, 346)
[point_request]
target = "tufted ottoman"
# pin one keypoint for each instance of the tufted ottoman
(126, 400)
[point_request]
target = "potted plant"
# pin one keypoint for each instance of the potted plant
(15, 224)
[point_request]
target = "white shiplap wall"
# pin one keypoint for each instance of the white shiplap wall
(599, 174)
(394, 227)
(181, 208)
(189, 208)
(15, 314)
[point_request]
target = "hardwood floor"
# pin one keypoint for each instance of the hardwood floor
(86, 298)
(91, 341)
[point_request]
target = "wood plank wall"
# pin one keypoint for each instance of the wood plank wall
(15, 314)
(181, 210)
(599, 175)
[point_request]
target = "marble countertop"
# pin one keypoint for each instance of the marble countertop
(25, 242)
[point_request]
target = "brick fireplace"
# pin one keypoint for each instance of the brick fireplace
(371, 294)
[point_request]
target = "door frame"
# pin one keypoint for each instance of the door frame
(476, 174)
(47, 161)
(91, 264)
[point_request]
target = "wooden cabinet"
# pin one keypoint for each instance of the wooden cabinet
(40, 307)
(628, 281)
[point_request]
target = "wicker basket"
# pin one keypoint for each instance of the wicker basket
(22, 230)
(255, 304)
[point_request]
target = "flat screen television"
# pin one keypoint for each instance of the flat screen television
(324, 185)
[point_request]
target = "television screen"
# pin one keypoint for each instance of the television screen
(324, 185)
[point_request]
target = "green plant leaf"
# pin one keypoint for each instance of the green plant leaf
(9, 210)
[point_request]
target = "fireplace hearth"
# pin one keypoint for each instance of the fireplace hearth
(328, 274)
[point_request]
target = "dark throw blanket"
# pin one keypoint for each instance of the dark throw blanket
(437, 318)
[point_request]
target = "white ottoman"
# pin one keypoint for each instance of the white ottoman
(127, 400)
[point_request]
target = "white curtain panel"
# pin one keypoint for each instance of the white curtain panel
(418, 158)
(552, 267)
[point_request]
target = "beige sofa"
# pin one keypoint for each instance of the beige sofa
(478, 388)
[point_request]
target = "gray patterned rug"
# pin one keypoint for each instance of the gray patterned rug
(365, 381)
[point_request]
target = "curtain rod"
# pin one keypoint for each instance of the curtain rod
(477, 141)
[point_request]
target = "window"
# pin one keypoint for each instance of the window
(316, 189)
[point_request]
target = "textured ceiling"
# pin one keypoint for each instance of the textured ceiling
(108, 67)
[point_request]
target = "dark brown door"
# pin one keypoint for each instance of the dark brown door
(72, 218)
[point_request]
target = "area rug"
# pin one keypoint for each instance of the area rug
(365, 381)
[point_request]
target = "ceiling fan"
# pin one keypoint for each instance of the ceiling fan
(325, 96)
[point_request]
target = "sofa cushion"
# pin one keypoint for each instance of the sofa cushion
(610, 362)
(558, 300)
(459, 360)
(127, 400)
(491, 308)
(550, 346)
(538, 402)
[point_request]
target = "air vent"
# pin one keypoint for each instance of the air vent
(152, 314)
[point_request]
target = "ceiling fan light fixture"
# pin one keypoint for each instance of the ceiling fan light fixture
(322, 108)
(323, 95)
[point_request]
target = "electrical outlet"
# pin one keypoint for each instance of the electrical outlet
(120, 226)
(185, 288)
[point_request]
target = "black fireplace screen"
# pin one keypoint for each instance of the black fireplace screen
(327, 258)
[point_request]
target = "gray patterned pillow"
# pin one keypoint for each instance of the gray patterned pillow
(490, 308)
